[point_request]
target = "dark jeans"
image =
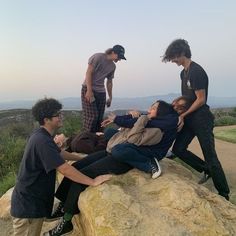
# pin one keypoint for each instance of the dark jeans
(138, 157)
(200, 124)
(93, 165)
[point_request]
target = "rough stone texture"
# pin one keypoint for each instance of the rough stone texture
(133, 204)
(5, 204)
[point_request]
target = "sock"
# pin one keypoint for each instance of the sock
(68, 216)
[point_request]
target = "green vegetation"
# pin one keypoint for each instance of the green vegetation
(17, 125)
(224, 117)
(228, 135)
(15, 128)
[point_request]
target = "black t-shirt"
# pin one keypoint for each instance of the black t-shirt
(193, 79)
(33, 194)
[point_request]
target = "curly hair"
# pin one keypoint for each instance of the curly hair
(177, 48)
(45, 108)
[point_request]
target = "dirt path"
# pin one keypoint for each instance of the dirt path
(227, 155)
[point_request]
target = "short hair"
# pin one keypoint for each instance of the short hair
(164, 108)
(45, 108)
(177, 48)
(188, 101)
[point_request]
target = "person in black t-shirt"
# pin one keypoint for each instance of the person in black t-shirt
(33, 195)
(197, 120)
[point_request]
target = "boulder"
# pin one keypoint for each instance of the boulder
(133, 204)
(5, 205)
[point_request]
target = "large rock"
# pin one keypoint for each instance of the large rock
(133, 204)
(5, 205)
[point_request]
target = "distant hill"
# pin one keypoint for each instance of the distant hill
(140, 103)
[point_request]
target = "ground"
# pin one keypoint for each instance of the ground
(226, 153)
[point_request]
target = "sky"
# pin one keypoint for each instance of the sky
(45, 45)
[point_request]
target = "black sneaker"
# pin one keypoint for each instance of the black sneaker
(155, 168)
(57, 214)
(204, 178)
(63, 228)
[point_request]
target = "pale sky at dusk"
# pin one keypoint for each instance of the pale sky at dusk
(45, 45)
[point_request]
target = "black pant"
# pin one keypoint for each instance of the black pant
(201, 124)
(93, 165)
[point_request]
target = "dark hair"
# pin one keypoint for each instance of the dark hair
(177, 48)
(164, 108)
(109, 51)
(188, 102)
(45, 108)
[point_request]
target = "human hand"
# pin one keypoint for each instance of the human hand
(180, 123)
(108, 102)
(101, 179)
(134, 114)
(60, 140)
(109, 120)
(89, 96)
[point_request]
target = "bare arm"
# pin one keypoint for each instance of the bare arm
(109, 91)
(71, 173)
(88, 78)
(70, 156)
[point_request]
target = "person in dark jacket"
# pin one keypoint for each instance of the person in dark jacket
(161, 115)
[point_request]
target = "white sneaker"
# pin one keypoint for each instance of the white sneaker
(155, 168)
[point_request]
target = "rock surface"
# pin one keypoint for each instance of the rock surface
(133, 204)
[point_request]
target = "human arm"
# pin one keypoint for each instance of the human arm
(89, 96)
(200, 100)
(70, 156)
(109, 91)
(139, 135)
(71, 173)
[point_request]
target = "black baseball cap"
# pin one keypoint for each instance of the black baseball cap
(120, 51)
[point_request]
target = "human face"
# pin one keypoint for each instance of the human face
(179, 60)
(179, 106)
(55, 122)
(114, 57)
(152, 111)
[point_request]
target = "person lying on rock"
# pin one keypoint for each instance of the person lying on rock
(121, 158)
(33, 195)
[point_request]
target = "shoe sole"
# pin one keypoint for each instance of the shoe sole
(203, 181)
(157, 174)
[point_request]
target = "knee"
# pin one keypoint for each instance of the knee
(119, 152)
(178, 150)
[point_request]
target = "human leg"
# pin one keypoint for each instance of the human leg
(100, 101)
(133, 155)
(204, 133)
(105, 165)
(90, 113)
(27, 227)
(184, 138)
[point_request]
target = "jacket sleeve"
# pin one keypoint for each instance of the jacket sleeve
(139, 135)
(165, 123)
(126, 121)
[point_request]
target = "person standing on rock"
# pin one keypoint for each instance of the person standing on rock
(33, 195)
(101, 66)
(197, 120)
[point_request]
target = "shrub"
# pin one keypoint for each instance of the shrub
(225, 120)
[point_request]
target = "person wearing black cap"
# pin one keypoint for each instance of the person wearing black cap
(101, 66)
